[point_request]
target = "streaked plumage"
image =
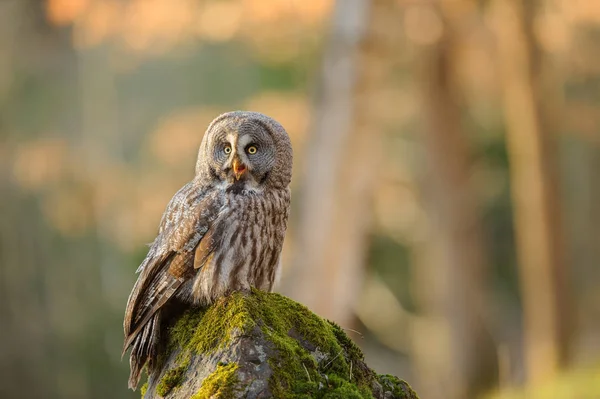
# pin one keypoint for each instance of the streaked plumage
(221, 232)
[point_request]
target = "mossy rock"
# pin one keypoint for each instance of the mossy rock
(264, 345)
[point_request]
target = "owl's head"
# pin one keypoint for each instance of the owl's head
(247, 149)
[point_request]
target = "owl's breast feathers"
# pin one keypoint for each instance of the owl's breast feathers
(250, 231)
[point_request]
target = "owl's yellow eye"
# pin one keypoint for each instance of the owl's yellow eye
(227, 149)
(252, 149)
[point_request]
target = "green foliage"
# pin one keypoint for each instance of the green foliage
(280, 76)
(220, 384)
(391, 261)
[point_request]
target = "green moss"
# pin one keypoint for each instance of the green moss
(172, 379)
(359, 371)
(398, 387)
(332, 368)
(143, 389)
(221, 384)
(205, 331)
(296, 373)
(340, 388)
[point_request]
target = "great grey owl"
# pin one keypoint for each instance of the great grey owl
(221, 232)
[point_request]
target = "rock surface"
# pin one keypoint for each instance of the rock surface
(264, 345)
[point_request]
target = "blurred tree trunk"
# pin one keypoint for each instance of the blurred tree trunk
(582, 214)
(451, 344)
(534, 186)
(327, 270)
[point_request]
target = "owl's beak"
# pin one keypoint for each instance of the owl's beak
(238, 168)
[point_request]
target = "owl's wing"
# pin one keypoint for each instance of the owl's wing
(174, 254)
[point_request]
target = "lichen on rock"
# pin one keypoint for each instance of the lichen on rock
(220, 384)
(262, 345)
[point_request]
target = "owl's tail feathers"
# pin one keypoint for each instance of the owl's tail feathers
(144, 350)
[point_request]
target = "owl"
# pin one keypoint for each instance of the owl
(221, 232)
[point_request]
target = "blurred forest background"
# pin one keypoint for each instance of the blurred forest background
(446, 182)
